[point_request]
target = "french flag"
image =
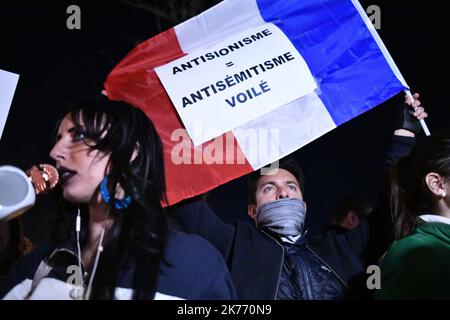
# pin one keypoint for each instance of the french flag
(350, 65)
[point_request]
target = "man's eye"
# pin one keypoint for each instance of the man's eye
(293, 187)
(268, 189)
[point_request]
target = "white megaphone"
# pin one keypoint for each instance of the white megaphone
(18, 189)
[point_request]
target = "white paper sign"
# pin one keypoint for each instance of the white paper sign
(219, 88)
(8, 83)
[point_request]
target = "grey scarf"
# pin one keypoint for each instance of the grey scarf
(285, 217)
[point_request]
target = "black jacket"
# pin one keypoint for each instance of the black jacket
(305, 277)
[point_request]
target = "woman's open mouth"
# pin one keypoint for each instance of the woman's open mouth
(65, 175)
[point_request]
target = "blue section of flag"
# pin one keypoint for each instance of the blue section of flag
(352, 74)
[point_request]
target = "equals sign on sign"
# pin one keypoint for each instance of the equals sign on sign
(229, 64)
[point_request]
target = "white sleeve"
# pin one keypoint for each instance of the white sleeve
(20, 291)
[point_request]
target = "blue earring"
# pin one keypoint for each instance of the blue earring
(120, 204)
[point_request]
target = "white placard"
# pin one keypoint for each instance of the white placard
(8, 83)
(219, 88)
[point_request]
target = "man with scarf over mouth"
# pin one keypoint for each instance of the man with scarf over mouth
(276, 260)
(307, 272)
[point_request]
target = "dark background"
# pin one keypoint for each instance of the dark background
(56, 64)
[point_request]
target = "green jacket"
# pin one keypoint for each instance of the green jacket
(418, 266)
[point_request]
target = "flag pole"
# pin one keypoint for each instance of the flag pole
(422, 121)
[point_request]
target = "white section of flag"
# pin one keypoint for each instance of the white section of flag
(281, 132)
(8, 83)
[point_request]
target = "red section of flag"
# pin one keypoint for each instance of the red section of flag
(201, 169)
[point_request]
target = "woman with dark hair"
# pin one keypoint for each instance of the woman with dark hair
(110, 160)
(13, 245)
(417, 265)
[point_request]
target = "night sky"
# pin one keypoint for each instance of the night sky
(56, 64)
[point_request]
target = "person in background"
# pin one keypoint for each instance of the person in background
(349, 213)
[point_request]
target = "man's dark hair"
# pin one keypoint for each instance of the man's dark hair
(288, 164)
(347, 204)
